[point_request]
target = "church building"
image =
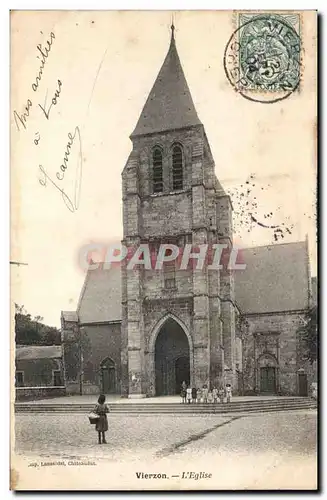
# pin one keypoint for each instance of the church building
(142, 332)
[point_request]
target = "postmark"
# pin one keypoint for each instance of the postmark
(262, 59)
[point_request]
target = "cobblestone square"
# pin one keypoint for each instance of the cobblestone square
(256, 451)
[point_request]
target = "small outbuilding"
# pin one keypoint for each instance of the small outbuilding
(39, 372)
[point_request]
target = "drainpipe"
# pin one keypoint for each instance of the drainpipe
(242, 361)
(81, 361)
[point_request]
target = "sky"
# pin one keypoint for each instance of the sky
(95, 78)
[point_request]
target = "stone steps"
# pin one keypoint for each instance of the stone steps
(282, 404)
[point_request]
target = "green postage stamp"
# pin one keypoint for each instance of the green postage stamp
(263, 56)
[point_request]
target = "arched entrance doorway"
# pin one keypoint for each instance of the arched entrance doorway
(172, 358)
(108, 376)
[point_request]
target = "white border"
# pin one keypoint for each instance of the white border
(4, 171)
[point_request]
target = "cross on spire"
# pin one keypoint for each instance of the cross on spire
(172, 27)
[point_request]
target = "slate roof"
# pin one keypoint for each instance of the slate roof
(169, 105)
(276, 278)
(100, 299)
(25, 352)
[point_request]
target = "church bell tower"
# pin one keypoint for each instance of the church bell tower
(176, 324)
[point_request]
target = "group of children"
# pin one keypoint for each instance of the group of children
(204, 395)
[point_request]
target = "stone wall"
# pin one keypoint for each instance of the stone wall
(168, 213)
(274, 335)
(153, 283)
(105, 341)
(99, 341)
(32, 393)
(39, 372)
(88, 388)
(310, 369)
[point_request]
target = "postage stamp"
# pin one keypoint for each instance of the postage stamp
(262, 59)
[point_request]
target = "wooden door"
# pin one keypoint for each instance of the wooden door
(268, 379)
(303, 384)
(108, 380)
(182, 372)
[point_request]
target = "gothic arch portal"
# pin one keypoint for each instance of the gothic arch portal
(160, 323)
(170, 356)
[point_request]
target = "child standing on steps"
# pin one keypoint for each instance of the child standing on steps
(183, 391)
(101, 426)
(188, 394)
(221, 394)
(228, 393)
(205, 393)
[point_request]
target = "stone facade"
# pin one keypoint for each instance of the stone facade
(191, 215)
(40, 372)
(96, 352)
(89, 349)
(32, 393)
(271, 340)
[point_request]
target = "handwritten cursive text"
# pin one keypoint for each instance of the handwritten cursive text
(72, 205)
(53, 101)
(21, 118)
(45, 54)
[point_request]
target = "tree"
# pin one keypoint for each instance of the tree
(309, 336)
(30, 331)
(78, 345)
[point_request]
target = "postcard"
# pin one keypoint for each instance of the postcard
(163, 250)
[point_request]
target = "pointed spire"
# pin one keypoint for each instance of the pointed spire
(169, 105)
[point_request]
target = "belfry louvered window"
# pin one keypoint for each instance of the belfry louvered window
(177, 168)
(157, 171)
(169, 275)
